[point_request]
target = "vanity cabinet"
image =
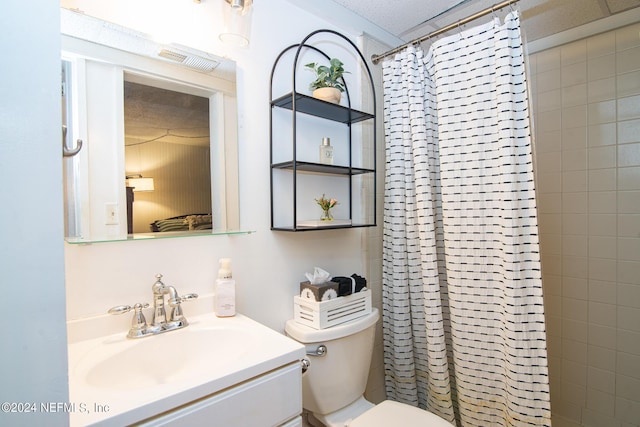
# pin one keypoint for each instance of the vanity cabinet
(272, 399)
(298, 124)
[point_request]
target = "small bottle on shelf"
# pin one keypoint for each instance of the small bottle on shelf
(326, 152)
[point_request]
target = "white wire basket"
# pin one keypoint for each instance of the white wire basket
(325, 314)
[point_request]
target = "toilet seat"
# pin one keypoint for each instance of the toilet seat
(389, 413)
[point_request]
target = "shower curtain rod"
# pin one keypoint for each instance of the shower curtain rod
(495, 7)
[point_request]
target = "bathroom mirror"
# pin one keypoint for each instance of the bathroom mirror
(158, 131)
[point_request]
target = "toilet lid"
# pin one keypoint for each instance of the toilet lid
(390, 413)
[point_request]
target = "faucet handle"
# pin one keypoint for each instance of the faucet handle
(138, 322)
(121, 309)
(188, 297)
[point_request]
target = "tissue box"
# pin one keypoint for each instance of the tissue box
(323, 292)
(325, 314)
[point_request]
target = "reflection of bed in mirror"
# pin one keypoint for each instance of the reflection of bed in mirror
(190, 222)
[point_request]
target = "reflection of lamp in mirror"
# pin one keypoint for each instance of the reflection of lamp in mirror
(237, 22)
(140, 184)
(135, 183)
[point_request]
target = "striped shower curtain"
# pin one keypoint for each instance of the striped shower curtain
(463, 320)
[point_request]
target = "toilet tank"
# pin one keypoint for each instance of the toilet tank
(338, 378)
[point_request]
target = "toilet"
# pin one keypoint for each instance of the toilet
(334, 383)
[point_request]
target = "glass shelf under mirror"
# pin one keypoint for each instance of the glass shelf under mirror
(156, 236)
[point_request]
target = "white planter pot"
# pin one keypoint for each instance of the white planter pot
(329, 94)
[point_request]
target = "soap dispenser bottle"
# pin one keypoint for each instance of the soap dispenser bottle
(225, 292)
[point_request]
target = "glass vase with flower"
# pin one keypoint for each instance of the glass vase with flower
(326, 204)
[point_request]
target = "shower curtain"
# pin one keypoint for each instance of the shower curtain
(463, 320)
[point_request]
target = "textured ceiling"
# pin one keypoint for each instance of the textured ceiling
(411, 19)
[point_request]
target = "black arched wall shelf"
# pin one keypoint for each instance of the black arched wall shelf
(295, 178)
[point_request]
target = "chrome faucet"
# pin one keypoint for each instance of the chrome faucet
(160, 323)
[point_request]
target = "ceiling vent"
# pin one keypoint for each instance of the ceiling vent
(189, 60)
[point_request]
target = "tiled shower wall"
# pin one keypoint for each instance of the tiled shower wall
(586, 117)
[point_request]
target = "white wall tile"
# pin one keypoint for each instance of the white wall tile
(627, 364)
(602, 314)
(601, 67)
(603, 247)
(629, 131)
(628, 295)
(602, 269)
(574, 309)
(574, 223)
(629, 272)
(629, 107)
(627, 342)
(574, 138)
(601, 402)
(574, 95)
(629, 318)
(601, 112)
(575, 267)
(629, 225)
(601, 90)
(603, 134)
(601, 357)
(629, 178)
(575, 116)
(574, 372)
(549, 80)
(629, 202)
(548, 59)
(602, 179)
(574, 287)
(550, 100)
(602, 202)
(574, 74)
(627, 37)
(575, 203)
(628, 411)
(604, 292)
(574, 160)
(628, 60)
(601, 44)
(629, 154)
(602, 157)
(601, 379)
(574, 181)
(603, 336)
(628, 84)
(629, 248)
(573, 52)
(627, 387)
(603, 224)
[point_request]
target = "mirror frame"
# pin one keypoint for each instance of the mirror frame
(223, 131)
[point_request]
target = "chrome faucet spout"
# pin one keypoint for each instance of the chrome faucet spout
(160, 290)
(160, 322)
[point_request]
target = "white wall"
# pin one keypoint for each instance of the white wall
(267, 266)
(33, 360)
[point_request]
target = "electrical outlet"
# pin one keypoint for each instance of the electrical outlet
(111, 212)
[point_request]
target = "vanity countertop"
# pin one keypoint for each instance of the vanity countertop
(115, 381)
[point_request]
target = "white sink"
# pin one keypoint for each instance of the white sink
(167, 358)
(114, 380)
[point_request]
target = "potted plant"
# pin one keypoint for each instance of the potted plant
(328, 84)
